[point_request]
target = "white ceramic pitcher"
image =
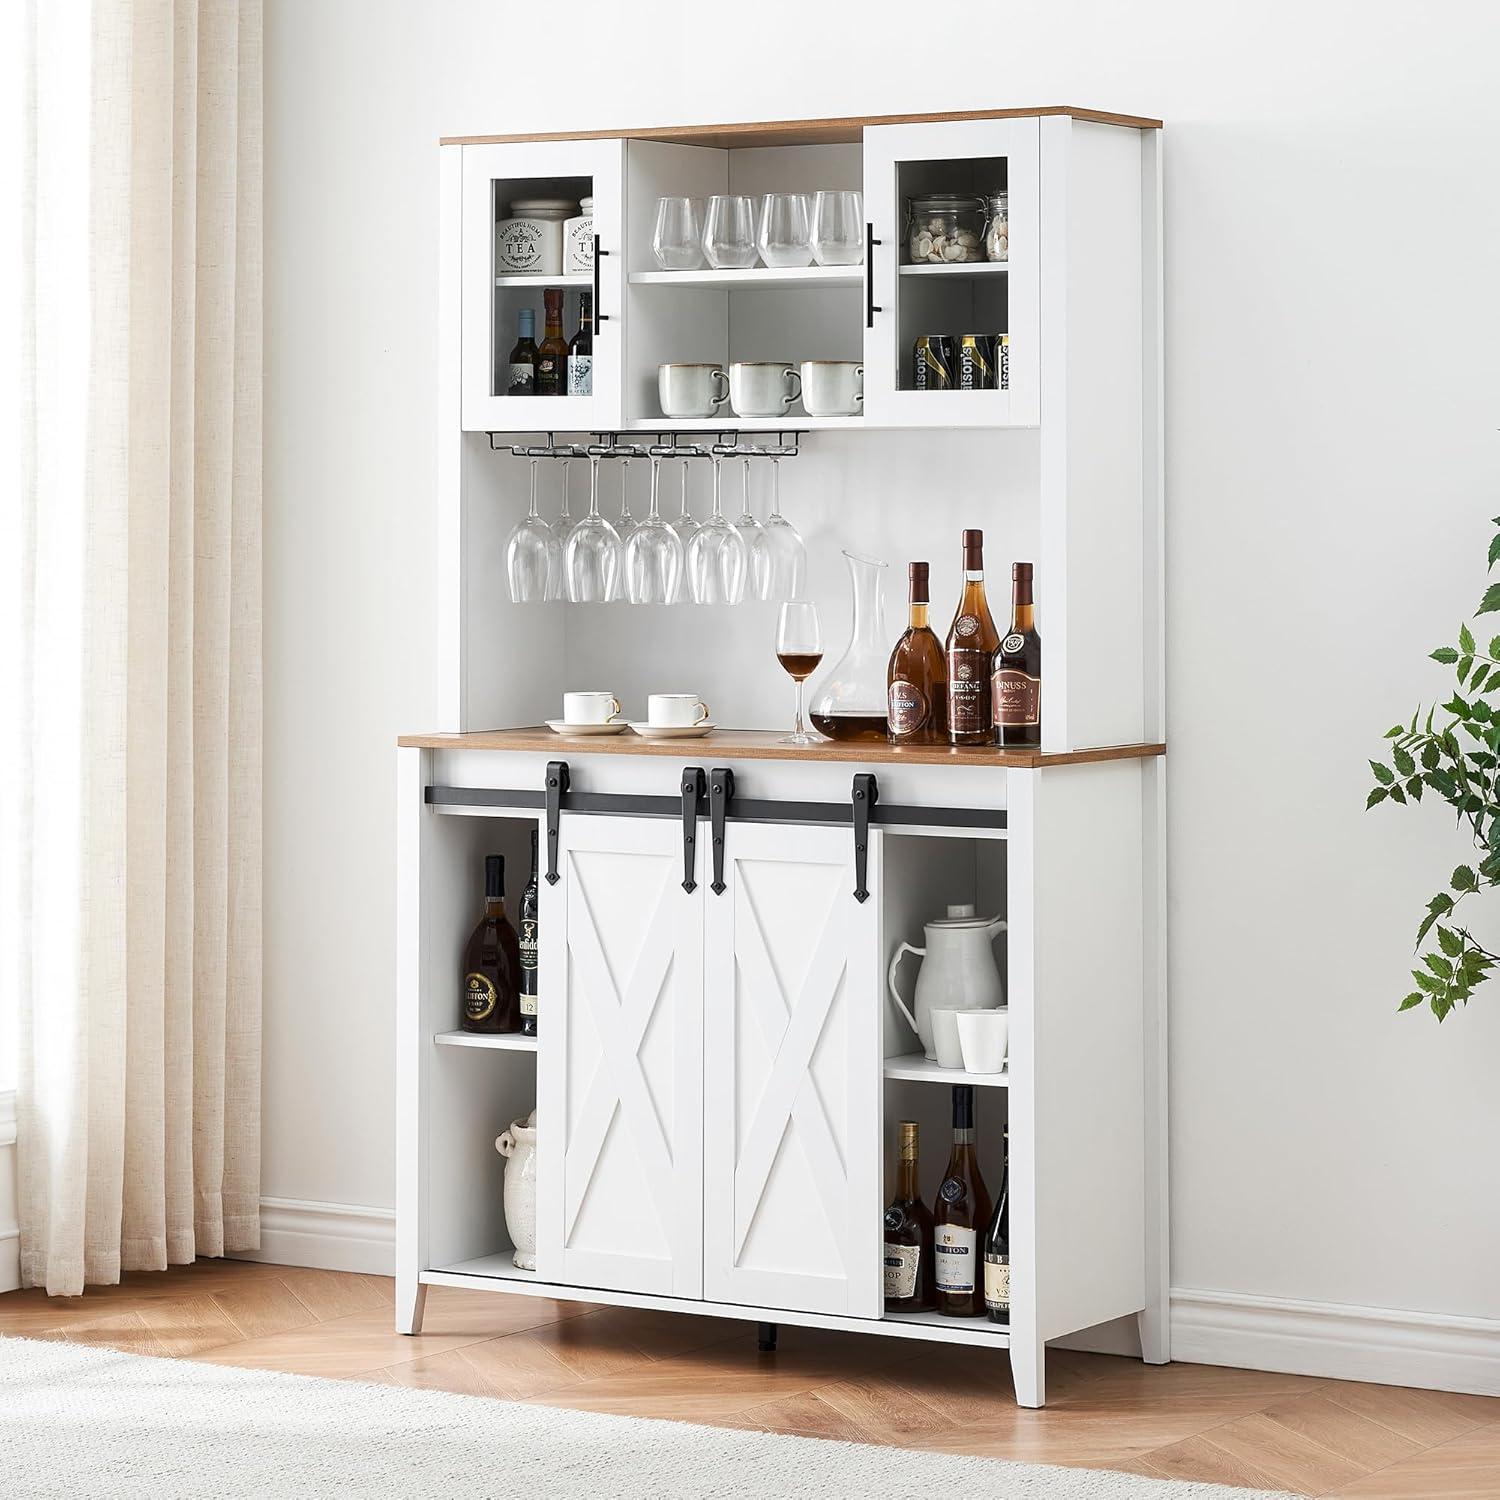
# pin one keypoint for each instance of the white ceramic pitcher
(518, 1146)
(958, 970)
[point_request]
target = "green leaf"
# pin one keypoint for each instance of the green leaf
(1456, 705)
(1450, 942)
(1446, 654)
(1394, 732)
(1441, 1005)
(1405, 765)
(1464, 667)
(1414, 788)
(1495, 549)
(1429, 982)
(1476, 682)
(1415, 998)
(1463, 879)
(1397, 795)
(1481, 711)
(1383, 774)
(1491, 601)
(1429, 756)
(1439, 966)
(1466, 639)
(1377, 794)
(1494, 650)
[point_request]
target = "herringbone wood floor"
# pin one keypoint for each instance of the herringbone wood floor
(1318, 1437)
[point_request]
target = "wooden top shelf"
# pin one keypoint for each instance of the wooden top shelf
(845, 129)
(762, 744)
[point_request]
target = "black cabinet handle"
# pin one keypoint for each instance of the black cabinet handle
(600, 316)
(865, 793)
(556, 785)
(692, 794)
(870, 308)
(720, 791)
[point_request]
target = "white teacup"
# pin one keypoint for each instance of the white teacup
(833, 387)
(945, 1043)
(691, 390)
(982, 1037)
(590, 708)
(763, 387)
(675, 710)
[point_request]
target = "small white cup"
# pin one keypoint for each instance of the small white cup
(590, 708)
(833, 387)
(945, 1043)
(675, 710)
(763, 387)
(691, 390)
(982, 1038)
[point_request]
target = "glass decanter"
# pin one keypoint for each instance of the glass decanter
(850, 702)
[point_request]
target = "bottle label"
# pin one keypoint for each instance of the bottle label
(549, 376)
(479, 996)
(1018, 698)
(1012, 643)
(908, 708)
(901, 1262)
(996, 1283)
(521, 380)
(969, 691)
(519, 245)
(528, 966)
(954, 1247)
(581, 375)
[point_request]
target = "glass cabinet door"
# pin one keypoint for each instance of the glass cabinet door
(951, 319)
(520, 250)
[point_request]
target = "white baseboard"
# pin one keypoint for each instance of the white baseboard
(10, 1232)
(330, 1236)
(1437, 1351)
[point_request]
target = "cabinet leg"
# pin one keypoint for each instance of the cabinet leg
(765, 1336)
(411, 1300)
(1156, 1348)
(1028, 1372)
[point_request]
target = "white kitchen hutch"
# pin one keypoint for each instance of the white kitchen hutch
(719, 1070)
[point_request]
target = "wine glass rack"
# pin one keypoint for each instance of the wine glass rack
(609, 445)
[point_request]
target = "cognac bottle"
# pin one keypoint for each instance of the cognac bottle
(917, 680)
(1017, 682)
(960, 1215)
(997, 1250)
(529, 900)
(969, 653)
(492, 962)
(909, 1282)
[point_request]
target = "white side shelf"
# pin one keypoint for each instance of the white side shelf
(575, 278)
(792, 422)
(508, 1042)
(756, 276)
(954, 1330)
(923, 1070)
(959, 270)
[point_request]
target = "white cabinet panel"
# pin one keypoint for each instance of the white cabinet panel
(620, 1065)
(792, 1073)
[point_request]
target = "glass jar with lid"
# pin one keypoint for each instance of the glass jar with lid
(529, 240)
(945, 229)
(997, 227)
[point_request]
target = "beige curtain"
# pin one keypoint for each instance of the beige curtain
(130, 896)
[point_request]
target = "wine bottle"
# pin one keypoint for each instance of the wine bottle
(521, 377)
(909, 1283)
(552, 352)
(1017, 683)
(959, 1217)
(581, 350)
(969, 653)
(492, 962)
(917, 680)
(529, 900)
(997, 1250)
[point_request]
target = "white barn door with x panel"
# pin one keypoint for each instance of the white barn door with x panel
(792, 1172)
(620, 1200)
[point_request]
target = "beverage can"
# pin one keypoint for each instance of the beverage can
(934, 362)
(1002, 361)
(976, 362)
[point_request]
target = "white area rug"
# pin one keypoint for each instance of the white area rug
(79, 1421)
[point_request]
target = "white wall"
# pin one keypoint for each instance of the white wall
(1333, 398)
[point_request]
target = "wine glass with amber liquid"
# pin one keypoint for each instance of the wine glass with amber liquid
(799, 649)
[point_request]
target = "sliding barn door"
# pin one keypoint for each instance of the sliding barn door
(792, 1068)
(620, 1062)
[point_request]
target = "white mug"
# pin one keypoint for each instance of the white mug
(763, 388)
(945, 1041)
(675, 709)
(982, 1036)
(689, 390)
(590, 708)
(833, 388)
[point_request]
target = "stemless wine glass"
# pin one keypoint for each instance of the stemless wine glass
(747, 526)
(678, 238)
(593, 551)
(716, 556)
(685, 525)
(531, 554)
(778, 558)
(799, 649)
(838, 229)
(729, 232)
(557, 582)
(784, 237)
(653, 555)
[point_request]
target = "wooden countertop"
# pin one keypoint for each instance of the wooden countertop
(765, 744)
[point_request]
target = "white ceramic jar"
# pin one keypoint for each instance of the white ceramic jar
(518, 1146)
(578, 240)
(530, 241)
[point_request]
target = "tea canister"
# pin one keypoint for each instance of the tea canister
(530, 241)
(578, 240)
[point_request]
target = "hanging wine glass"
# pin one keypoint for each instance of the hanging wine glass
(593, 551)
(557, 579)
(685, 525)
(778, 557)
(653, 553)
(716, 555)
(625, 523)
(531, 554)
(564, 522)
(748, 528)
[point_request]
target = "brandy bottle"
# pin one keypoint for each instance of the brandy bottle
(997, 1250)
(960, 1216)
(969, 654)
(909, 1283)
(1017, 681)
(492, 962)
(529, 930)
(552, 352)
(917, 679)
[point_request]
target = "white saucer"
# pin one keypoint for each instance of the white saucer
(673, 731)
(561, 726)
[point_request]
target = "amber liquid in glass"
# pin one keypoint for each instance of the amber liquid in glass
(865, 728)
(909, 1284)
(1016, 686)
(969, 654)
(552, 352)
(799, 665)
(960, 1217)
(917, 678)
